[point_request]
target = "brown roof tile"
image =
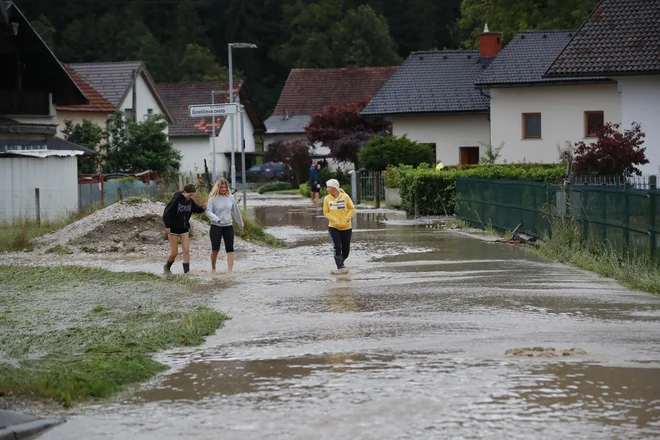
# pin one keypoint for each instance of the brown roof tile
(97, 103)
(307, 91)
(178, 96)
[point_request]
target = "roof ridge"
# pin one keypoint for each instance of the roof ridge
(344, 68)
(105, 62)
(547, 31)
(445, 51)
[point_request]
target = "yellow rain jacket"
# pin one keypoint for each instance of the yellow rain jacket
(339, 211)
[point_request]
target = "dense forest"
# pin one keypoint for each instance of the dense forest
(186, 40)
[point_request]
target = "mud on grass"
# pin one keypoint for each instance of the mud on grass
(73, 334)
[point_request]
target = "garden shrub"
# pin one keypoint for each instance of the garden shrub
(383, 151)
(274, 186)
(434, 192)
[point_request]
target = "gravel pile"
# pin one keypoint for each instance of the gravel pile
(125, 228)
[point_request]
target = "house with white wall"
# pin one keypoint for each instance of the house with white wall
(432, 99)
(193, 136)
(308, 91)
(621, 40)
(127, 85)
(38, 171)
(97, 109)
(531, 115)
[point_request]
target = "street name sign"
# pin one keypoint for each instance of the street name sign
(199, 111)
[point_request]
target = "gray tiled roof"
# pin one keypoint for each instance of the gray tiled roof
(110, 79)
(526, 58)
(295, 124)
(432, 82)
(620, 37)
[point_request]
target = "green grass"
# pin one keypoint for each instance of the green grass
(90, 352)
(274, 186)
(568, 246)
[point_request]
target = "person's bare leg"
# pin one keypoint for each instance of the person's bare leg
(230, 262)
(214, 259)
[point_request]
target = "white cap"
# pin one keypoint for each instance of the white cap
(332, 183)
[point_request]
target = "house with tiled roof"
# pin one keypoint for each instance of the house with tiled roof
(308, 91)
(127, 85)
(193, 137)
(433, 100)
(531, 114)
(32, 159)
(96, 110)
(621, 40)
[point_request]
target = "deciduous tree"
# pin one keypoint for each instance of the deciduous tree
(295, 153)
(613, 153)
(382, 151)
(342, 129)
(89, 135)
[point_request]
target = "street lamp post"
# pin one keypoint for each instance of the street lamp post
(233, 130)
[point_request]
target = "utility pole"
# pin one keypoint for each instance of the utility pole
(231, 101)
(240, 115)
(215, 177)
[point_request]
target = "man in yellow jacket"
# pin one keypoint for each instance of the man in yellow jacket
(339, 210)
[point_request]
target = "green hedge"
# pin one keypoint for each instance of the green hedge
(274, 186)
(435, 191)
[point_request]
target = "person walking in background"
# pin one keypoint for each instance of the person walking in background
(219, 210)
(439, 165)
(315, 182)
(176, 217)
(339, 210)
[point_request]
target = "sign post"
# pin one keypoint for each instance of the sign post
(213, 110)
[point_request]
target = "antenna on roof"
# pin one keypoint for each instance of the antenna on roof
(286, 114)
(486, 28)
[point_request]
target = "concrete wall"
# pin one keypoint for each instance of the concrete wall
(56, 178)
(562, 117)
(447, 132)
(640, 97)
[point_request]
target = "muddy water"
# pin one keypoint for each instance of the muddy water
(411, 344)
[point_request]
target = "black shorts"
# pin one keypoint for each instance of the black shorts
(218, 233)
(179, 231)
(316, 187)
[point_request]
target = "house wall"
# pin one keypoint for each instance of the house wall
(448, 132)
(56, 178)
(145, 100)
(77, 118)
(640, 102)
(195, 149)
(562, 117)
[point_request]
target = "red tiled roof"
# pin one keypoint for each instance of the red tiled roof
(178, 96)
(307, 91)
(97, 103)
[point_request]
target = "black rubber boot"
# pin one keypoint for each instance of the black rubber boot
(339, 260)
(186, 267)
(168, 266)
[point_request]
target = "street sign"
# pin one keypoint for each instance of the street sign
(199, 111)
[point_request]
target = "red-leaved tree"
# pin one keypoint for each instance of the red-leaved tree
(295, 153)
(344, 131)
(613, 153)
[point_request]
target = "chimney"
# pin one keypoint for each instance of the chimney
(351, 66)
(490, 43)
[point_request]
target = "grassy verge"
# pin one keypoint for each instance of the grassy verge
(73, 334)
(568, 246)
(19, 236)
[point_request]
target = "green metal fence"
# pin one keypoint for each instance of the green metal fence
(625, 217)
(504, 204)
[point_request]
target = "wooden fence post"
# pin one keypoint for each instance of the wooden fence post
(626, 214)
(377, 189)
(37, 202)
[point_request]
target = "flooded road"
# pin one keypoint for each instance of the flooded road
(411, 344)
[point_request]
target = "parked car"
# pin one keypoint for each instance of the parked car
(267, 172)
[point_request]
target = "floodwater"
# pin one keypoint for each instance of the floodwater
(411, 344)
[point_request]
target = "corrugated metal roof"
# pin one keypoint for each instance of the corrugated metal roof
(295, 124)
